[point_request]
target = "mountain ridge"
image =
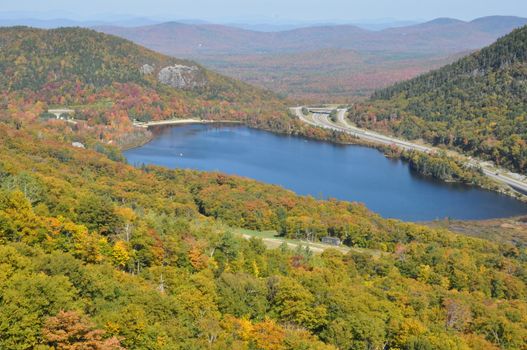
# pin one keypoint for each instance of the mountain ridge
(205, 38)
(476, 104)
(273, 60)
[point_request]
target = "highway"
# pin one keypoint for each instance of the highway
(320, 118)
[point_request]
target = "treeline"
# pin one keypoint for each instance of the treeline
(443, 167)
(95, 252)
(476, 105)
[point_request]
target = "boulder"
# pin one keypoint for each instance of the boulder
(182, 77)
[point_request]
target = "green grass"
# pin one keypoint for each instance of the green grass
(316, 246)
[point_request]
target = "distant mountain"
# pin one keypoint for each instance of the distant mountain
(281, 27)
(498, 25)
(65, 22)
(384, 24)
(331, 63)
(179, 39)
(266, 27)
(477, 104)
(441, 35)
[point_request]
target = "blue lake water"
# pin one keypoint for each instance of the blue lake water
(323, 170)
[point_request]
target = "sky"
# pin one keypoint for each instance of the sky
(267, 10)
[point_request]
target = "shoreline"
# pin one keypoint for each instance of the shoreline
(384, 149)
(384, 143)
(169, 123)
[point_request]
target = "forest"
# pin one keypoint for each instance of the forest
(476, 105)
(327, 75)
(97, 254)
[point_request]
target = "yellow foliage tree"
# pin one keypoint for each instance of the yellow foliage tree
(121, 254)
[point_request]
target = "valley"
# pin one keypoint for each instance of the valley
(329, 75)
(325, 63)
(149, 202)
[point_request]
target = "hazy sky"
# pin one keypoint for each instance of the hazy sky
(303, 10)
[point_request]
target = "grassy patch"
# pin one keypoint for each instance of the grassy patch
(272, 240)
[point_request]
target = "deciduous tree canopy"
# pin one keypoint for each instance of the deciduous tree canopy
(477, 104)
(97, 254)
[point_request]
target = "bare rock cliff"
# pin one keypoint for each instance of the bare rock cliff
(182, 77)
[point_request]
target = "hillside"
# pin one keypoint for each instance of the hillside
(267, 59)
(34, 59)
(97, 253)
(477, 104)
(109, 82)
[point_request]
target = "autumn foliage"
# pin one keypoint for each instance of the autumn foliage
(97, 254)
(68, 331)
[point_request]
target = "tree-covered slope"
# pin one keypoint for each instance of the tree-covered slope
(37, 59)
(98, 254)
(110, 81)
(477, 104)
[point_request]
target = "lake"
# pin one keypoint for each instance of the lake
(323, 170)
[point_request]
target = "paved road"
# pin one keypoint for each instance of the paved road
(320, 118)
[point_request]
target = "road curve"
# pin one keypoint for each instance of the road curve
(320, 119)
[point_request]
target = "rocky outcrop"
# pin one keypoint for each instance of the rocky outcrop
(146, 69)
(182, 77)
